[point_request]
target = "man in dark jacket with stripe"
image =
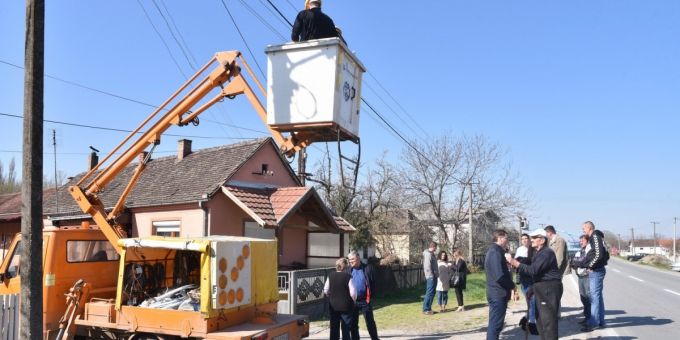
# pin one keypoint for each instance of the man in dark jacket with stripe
(596, 260)
(364, 282)
(499, 285)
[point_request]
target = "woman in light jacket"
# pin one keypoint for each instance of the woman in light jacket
(443, 280)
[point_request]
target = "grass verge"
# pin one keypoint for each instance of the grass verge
(403, 310)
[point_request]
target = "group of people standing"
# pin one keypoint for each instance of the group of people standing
(442, 275)
(541, 262)
(349, 291)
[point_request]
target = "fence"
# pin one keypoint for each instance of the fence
(301, 291)
(9, 317)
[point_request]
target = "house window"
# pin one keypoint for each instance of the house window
(252, 229)
(166, 228)
(324, 245)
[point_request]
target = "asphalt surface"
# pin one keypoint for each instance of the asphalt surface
(568, 324)
(641, 302)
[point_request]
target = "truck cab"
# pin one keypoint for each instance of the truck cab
(69, 254)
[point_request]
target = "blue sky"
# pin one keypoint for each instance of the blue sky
(583, 94)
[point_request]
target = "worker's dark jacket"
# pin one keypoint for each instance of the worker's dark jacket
(498, 280)
(313, 24)
(598, 255)
(543, 266)
(338, 293)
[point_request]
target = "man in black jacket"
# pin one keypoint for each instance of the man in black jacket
(499, 285)
(547, 287)
(596, 260)
(313, 24)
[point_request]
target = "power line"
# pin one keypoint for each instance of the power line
(119, 130)
(186, 46)
(86, 87)
(162, 40)
(262, 20)
(252, 55)
(281, 14)
(172, 34)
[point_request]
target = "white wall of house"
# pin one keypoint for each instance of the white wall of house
(190, 221)
(650, 250)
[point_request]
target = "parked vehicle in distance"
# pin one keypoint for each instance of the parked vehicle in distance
(676, 266)
(635, 257)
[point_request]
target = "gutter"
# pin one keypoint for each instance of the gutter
(201, 205)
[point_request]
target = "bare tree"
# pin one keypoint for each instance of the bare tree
(441, 175)
(9, 182)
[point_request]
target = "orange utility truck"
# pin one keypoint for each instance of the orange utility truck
(100, 284)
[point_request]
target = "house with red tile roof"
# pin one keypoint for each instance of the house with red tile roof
(243, 189)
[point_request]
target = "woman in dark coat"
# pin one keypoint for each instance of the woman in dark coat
(460, 267)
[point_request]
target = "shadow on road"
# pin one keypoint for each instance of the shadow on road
(625, 320)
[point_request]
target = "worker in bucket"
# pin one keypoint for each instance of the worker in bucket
(311, 23)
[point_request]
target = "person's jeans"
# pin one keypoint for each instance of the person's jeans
(531, 303)
(584, 292)
(442, 297)
(429, 294)
(497, 308)
(366, 309)
(596, 277)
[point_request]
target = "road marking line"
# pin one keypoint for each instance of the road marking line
(616, 270)
(635, 278)
(672, 292)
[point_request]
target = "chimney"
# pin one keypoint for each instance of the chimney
(183, 148)
(92, 160)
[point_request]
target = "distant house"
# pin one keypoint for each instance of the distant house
(646, 247)
(244, 189)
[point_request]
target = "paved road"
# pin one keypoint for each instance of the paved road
(642, 302)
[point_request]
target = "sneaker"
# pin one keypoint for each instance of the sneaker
(587, 329)
(428, 312)
(460, 309)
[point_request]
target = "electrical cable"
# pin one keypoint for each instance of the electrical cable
(281, 14)
(162, 40)
(172, 34)
(262, 20)
(252, 55)
(119, 130)
(186, 46)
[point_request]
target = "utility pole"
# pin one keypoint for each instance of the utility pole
(619, 237)
(56, 183)
(675, 223)
(470, 232)
(632, 239)
(31, 300)
(654, 224)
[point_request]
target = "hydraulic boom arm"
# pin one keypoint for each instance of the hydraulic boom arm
(227, 75)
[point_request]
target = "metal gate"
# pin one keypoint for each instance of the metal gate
(9, 317)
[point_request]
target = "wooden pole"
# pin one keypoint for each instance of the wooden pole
(31, 308)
